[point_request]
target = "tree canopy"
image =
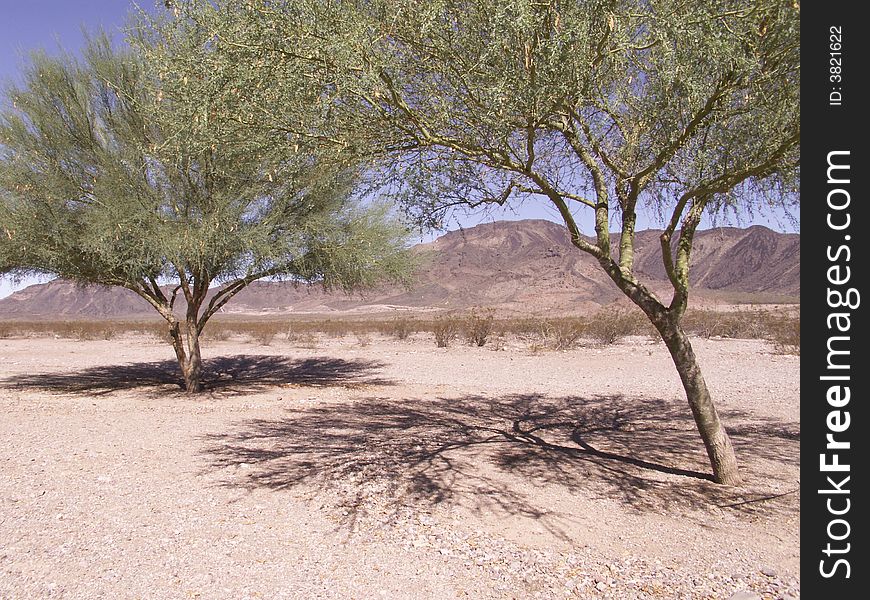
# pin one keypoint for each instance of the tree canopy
(106, 178)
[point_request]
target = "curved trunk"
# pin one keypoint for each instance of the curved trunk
(723, 461)
(716, 440)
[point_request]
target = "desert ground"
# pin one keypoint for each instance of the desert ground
(375, 468)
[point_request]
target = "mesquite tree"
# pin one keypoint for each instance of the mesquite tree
(603, 107)
(105, 179)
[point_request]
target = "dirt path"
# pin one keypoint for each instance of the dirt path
(391, 470)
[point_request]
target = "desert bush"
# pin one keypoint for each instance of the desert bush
(781, 328)
(610, 326)
(218, 331)
(401, 328)
(92, 330)
(334, 328)
(156, 329)
(290, 333)
(478, 328)
(737, 324)
(562, 334)
(264, 337)
(785, 333)
(702, 323)
(445, 329)
(307, 340)
(263, 332)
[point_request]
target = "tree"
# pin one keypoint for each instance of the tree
(605, 107)
(105, 179)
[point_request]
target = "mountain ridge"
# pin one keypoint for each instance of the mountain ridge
(516, 266)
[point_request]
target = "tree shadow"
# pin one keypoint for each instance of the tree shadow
(484, 453)
(232, 375)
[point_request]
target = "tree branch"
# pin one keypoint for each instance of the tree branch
(684, 250)
(666, 153)
(227, 292)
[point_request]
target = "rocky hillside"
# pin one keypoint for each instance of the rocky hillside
(523, 266)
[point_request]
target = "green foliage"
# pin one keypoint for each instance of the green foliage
(610, 107)
(107, 178)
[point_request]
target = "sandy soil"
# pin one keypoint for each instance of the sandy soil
(391, 470)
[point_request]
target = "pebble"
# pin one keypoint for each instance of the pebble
(743, 595)
(768, 572)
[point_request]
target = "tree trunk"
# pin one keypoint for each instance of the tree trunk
(186, 346)
(716, 440)
(193, 372)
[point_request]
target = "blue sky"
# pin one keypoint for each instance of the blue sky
(50, 24)
(43, 23)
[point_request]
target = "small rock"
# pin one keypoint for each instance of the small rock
(744, 595)
(600, 586)
(768, 572)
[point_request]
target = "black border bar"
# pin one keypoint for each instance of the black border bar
(834, 365)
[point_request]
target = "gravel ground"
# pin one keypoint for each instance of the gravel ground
(386, 469)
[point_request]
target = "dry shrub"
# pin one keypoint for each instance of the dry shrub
(334, 329)
(610, 326)
(401, 328)
(781, 328)
(478, 328)
(84, 330)
(264, 337)
(445, 329)
(785, 333)
(92, 330)
(290, 334)
(218, 332)
(261, 332)
(307, 340)
(530, 329)
(745, 324)
(732, 324)
(563, 334)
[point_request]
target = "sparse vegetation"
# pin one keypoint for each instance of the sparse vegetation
(785, 333)
(780, 327)
(363, 339)
(562, 334)
(478, 328)
(611, 326)
(445, 329)
(402, 328)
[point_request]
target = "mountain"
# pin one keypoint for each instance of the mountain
(520, 266)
